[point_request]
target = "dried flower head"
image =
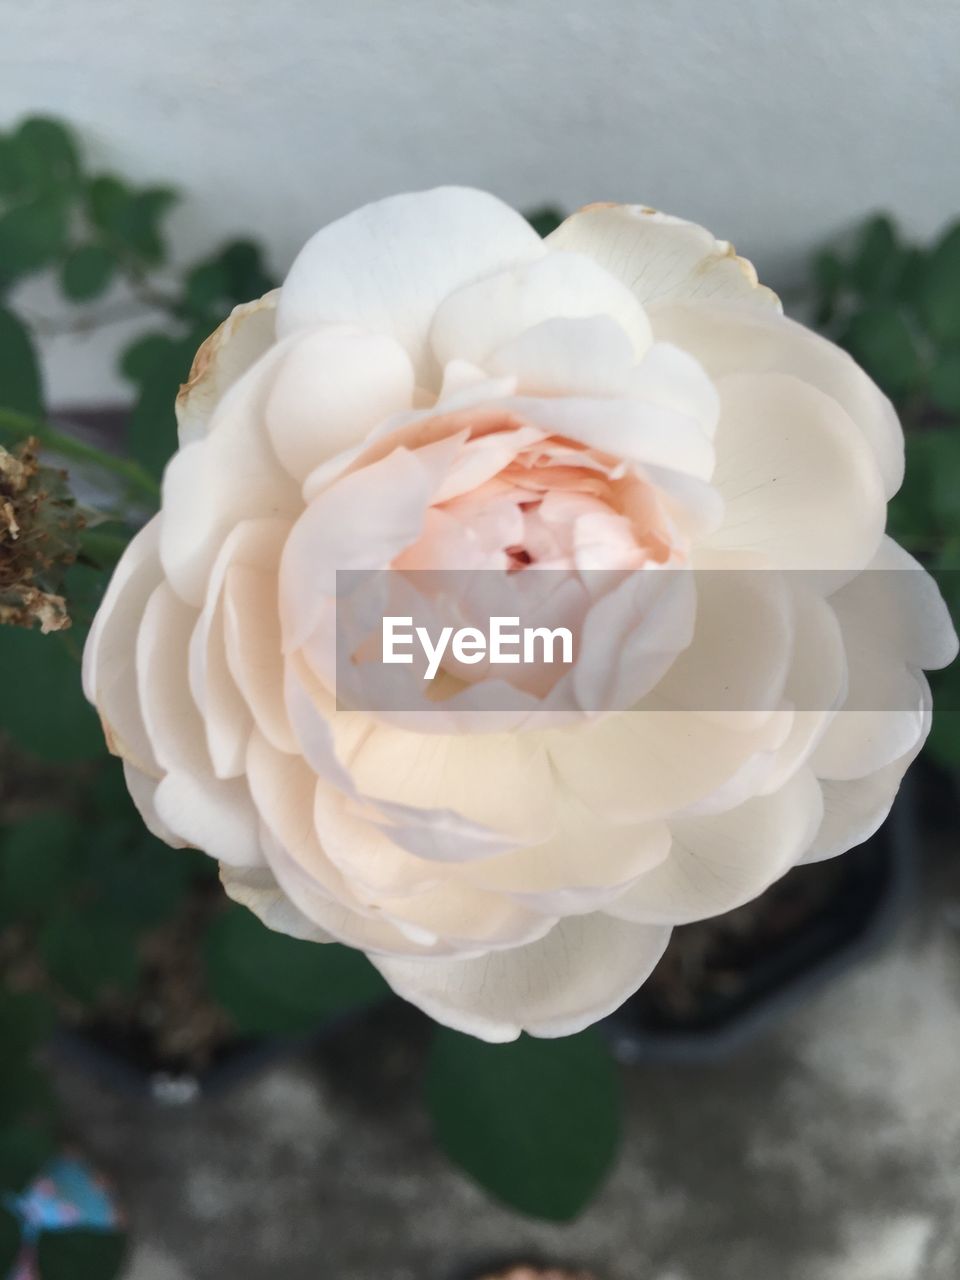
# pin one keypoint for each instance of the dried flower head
(39, 531)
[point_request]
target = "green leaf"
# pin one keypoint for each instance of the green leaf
(12, 177)
(943, 472)
(90, 951)
(138, 878)
(48, 157)
(246, 275)
(545, 219)
(11, 1241)
(945, 382)
(24, 1150)
(81, 1254)
(42, 705)
(206, 288)
(272, 984)
(152, 431)
(912, 518)
(881, 341)
(130, 219)
(939, 301)
(535, 1122)
(878, 260)
(143, 354)
(20, 386)
(828, 278)
(86, 272)
(106, 199)
(35, 860)
(32, 234)
(26, 1020)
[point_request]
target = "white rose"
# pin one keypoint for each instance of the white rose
(435, 386)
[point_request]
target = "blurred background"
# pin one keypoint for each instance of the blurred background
(789, 1082)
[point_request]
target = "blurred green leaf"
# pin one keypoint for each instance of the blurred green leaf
(106, 199)
(207, 286)
(130, 219)
(87, 272)
(945, 382)
(25, 1094)
(878, 259)
(33, 234)
(138, 878)
(246, 275)
(152, 430)
(828, 278)
(535, 1122)
(20, 387)
(12, 177)
(90, 951)
(144, 216)
(143, 354)
(272, 984)
(26, 1020)
(24, 1150)
(912, 517)
(42, 705)
(10, 1241)
(47, 155)
(545, 219)
(80, 1254)
(940, 297)
(942, 469)
(881, 341)
(35, 860)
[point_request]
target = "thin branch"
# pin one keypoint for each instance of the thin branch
(138, 480)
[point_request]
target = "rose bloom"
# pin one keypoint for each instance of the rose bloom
(436, 387)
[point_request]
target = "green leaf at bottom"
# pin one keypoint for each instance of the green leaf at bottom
(10, 1241)
(535, 1122)
(80, 1255)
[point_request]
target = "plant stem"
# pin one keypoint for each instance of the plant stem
(137, 479)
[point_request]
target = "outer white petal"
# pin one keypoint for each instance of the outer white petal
(718, 862)
(258, 891)
(661, 258)
(109, 666)
(800, 483)
(211, 814)
(244, 336)
(894, 622)
(730, 338)
(231, 475)
(387, 267)
(476, 320)
(143, 792)
(582, 970)
(331, 388)
(854, 809)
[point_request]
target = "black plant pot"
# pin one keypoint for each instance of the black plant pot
(127, 1066)
(854, 904)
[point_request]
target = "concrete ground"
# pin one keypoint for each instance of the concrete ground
(828, 1150)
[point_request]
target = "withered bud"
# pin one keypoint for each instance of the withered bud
(39, 538)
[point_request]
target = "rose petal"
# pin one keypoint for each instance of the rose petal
(660, 257)
(479, 318)
(387, 267)
(717, 862)
(246, 334)
(730, 338)
(582, 970)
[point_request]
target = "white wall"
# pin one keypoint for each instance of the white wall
(774, 122)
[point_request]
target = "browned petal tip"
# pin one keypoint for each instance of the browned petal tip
(201, 362)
